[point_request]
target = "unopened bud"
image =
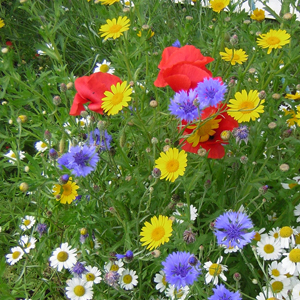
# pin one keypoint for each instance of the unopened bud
(172, 218)
(284, 167)
(193, 261)
(262, 95)
(145, 27)
(62, 145)
(122, 139)
(231, 82)
(22, 119)
(276, 96)
(244, 159)
(272, 125)
(156, 173)
(63, 87)
(53, 153)
(166, 148)
(298, 87)
(225, 135)
(4, 50)
(287, 16)
(64, 178)
(101, 125)
(237, 276)
(69, 85)
(234, 39)
(23, 187)
(154, 140)
(153, 103)
(263, 189)
(83, 231)
(207, 184)
(26, 169)
(47, 135)
(56, 100)
(84, 114)
(287, 133)
(155, 253)
(201, 152)
(189, 18)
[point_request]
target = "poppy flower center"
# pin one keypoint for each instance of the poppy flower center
(268, 248)
(16, 254)
(158, 233)
(79, 290)
(273, 40)
(294, 255)
(127, 279)
(27, 222)
(114, 268)
(115, 28)
(215, 270)
(172, 165)
(277, 286)
(90, 277)
(286, 231)
(62, 256)
(104, 68)
(117, 98)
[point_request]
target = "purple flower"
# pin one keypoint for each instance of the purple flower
(79, 269)
(210, 92)
(221, 293)
(53, 153)
(182, 105)
(41, 228)
(176, 44)
(98, 138)
(128, 256)
(231, 229)
(81, 160)
(112, 278)
(241, 134)
(179, 271)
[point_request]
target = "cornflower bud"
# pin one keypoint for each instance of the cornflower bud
(284, 167)
(155, 253)
(262, 95)
(234, 39)
(53, 153)
(47, 135)
(272, 125)
(64, 179)
(63, 87)
(153, 103)
(56, 100)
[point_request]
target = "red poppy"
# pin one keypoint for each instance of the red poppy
(91, 89)
(8, 43)
(208, 136)
(182, 68)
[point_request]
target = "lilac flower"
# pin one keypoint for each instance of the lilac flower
(241, 134)
(41, 228)
(128, 255)
(179, 271)
(78, 269)
(182, 105)
(210, 92)
(98, 138)
(231, 229)
(176, 44)
(81, 160)
(221, 293)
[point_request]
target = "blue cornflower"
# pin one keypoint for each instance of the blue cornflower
(128, 255)
(81, 160)
(182, 105)
(221, 293)
(176, 44)
(241, 134)
(79, 269)
(179, 271)
(41, 228)
(232, 229)
(210, 92)
(98, 138)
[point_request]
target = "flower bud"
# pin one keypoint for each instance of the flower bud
(153, 103)
(225, 135)
(237, 276)
(276, 96)
(56, 100)
(69, 85)
(189, 18)
(53, 153)
(23, 187)
(234, 39)
(22, 119)
(252, 70)
(263, 189)
(101, 125)
(244, 159)
(26, 169)
(284, 167)
(298, 87)
(189, 236)
(47, 135)
(84, 114)
(193, 261)
(155, 253)
(63, 87)
(166, 148)
(201, 152)
(154, 140)
(83, 231)
(287, 16)
(4, 50)
(64, 178)
(262, 95)
(156, 173)
(272, 125)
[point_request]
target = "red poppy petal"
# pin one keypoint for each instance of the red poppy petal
(77, 106)
(165, 57)
(160, 81)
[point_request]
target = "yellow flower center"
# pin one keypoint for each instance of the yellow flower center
(114, 268)
(291, 185)
(158, 233)
(127, 3)
(117, 98)
(90, 277)
(272, 298)
(127, 279)
(16, 254)
(104, 68)
(67, 189)
(286, 231)
(246, 107)
(178, 294)
(275, 272)
(297, 239)
(276, 235)
(28, 245)
(62, 256)
(273, 40)
(268, 248)
(236, 57)
(79, 290)
(277, 286)
(215, 270)
(295, 255)
(43, 145)
(13, 155)
(257, 237)
(164, 282)
(115, 28)
(219, 5)
(82, 123)
(172, 165)
(26, 222)
(204, 132)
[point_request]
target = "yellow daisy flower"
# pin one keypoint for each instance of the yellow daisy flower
(117, 98)
(2, 24)
(157, 232)
(294, 97)
(218, 5)
(273, 39)
(107, 2)
(245, 106)
(171, 164)
(258, 15)
(67, 192)
(234, 56)
(295, 118)
(114, 28)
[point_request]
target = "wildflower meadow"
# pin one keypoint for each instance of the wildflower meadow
(149, 150)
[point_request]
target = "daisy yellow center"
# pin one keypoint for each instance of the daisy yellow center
(172, 165)
(158, 233)
(28, 245)
(13, 155)
(67, 189)
(127, 3)
(90, 277)
(269, 248)
(273, 40)
(164, 282)
(297, 239)
(16, 254)
(115, 28)
(291, 185)
(104, 68)
(26, 222)
(257, 237)
(275, 272)
(272, 298)
(294, 255)
(276, 235)
(82, 123)
(219, 5)
(43, 145)
(178, 294)
(79, 290)
(117, 98)
(215, 270)
(286, 231)
(277, 286)
(127, 279)
(114, 268)
(62, 256)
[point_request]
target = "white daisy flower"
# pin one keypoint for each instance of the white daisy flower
(10, 154)
(297, 212)
(160, 279)
(15, 255)
(182, 213)
(269, 248)
(214, 271)
(114, 266)
(128, 279)
(41, 146)
(297, 236)
(296, 292)
(63, 257)
(272, 217)
(278, 288)
(92, 274)
(230, 249)
(79, 289)
(27, 222)
(172, 292)
(286, 236)
(104, 67)
(291, 263)
(41, 52)
(259, 234)
(276, 270)
(27, 243)
(274, 232)
(127, 3)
